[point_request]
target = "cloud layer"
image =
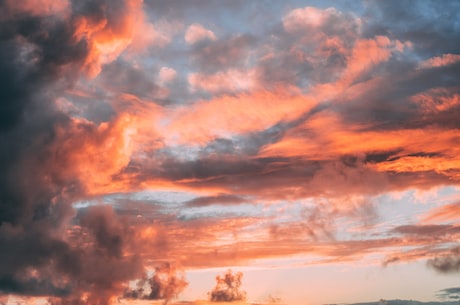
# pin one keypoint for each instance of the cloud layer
(135, 133)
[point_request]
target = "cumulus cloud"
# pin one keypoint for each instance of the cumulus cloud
(228, 288)
(165, 283)
(300, 18)
(196, 32)
(167, 74)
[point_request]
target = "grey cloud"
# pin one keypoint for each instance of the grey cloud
(227, 52)
(224, 199)
(434, 230)
(449, 294)
(164, 284)
(40, 59)
(121, 77)
(430, 25)
(449, 263)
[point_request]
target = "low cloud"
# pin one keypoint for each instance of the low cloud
(228, 288)
(165, 284)
(449, 263)
(449, 294)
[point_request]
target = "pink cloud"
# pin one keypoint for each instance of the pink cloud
(39, 7)
(232, 80)
(167, 74)
(197, 32)
(300, 18)
(440, 61)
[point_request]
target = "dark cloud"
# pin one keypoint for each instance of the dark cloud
(225, 53)
(452, 294)
(448, 263)
(223, 199)
(32, 287)
(121, 77)
(40, 59)
(228, 288)
(430, 25)
(436, 230)
(389, 105)
(166, 283)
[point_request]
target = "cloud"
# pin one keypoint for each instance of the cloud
(448, 263)
(167, 74)
(446, 212)
(302, 18)
(39, 184)
(277, 139)
(212, 200)
(439, 61)
(449, 294)
(38, 7)
(222, 54)
(196, 32)
(436, 230)
(228, 288)
(166, 283)
(227, 81)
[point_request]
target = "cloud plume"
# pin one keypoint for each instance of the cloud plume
(228, 288)
(165, 284)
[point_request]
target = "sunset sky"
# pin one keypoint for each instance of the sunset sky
(313, 146)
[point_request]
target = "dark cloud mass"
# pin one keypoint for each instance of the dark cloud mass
(165, 283)
(40, 58)
(452, 294)
(228, 288)
(448, 263)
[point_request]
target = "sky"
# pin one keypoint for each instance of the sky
(148, 146)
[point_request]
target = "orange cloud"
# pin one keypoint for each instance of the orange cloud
(437, 100)
(328, 137)
(228, 115)
(108, 37)
(448, 212)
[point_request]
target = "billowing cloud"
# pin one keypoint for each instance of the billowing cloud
(196, 32)
(164, 284)
(228, 288)
(167, 74)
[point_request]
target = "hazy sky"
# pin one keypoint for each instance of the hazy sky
(148, 146)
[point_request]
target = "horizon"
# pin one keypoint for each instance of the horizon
(311, 147)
